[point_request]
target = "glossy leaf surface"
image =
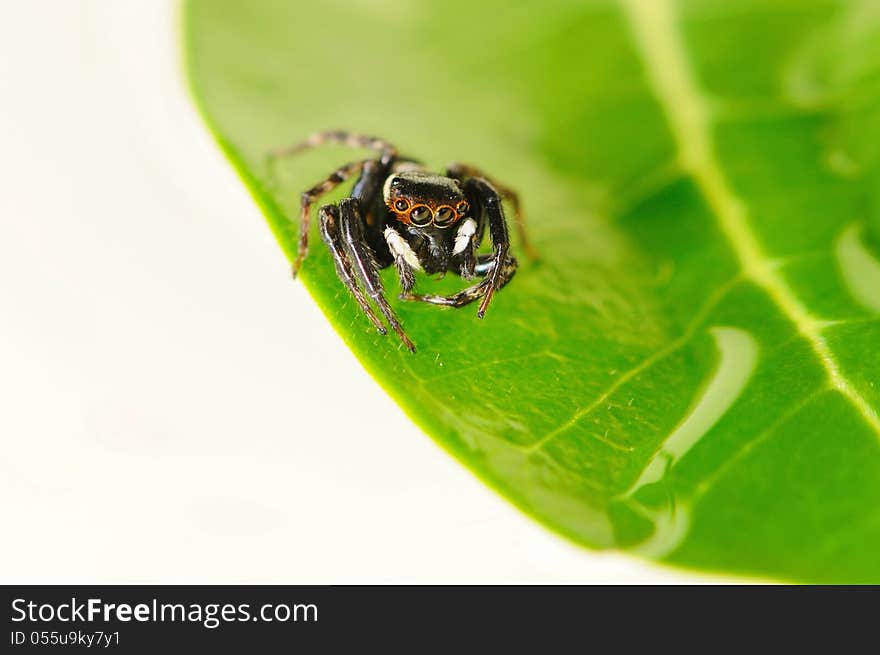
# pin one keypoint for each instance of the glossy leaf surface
(692, 371)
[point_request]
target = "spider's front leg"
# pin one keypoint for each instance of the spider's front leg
(485, 264)
(365, 264)
(329, 218)
(464, 171)
(490, 203)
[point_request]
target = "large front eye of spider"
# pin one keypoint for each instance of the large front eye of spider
(401, 205)
(444, 217)
(420, 216)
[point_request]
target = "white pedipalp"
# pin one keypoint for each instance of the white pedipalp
(400, 248)
(463, 236)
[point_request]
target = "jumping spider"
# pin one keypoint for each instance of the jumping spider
(399, 213)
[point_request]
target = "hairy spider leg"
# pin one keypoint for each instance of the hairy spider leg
(365, 264)
(464, 297)
(491, 205)
(461, 171)
(309, 197)
(487, 261)
(340, 137)
(329, 221)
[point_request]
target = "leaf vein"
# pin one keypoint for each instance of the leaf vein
(714, 299)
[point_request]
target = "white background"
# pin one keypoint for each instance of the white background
(168, 396)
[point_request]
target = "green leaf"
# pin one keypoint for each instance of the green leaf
(691, 372)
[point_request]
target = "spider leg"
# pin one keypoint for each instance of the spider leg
(491, 205)
(329, 218)
(340, 137)
(365, 264)
(486, 262)
(462, 171)
(309, 197)
(484, 266)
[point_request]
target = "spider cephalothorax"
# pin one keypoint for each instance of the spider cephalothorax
(420, 199)
(398, 213)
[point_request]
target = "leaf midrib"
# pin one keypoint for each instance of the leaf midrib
(665, 62)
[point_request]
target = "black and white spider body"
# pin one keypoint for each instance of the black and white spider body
(400, 214)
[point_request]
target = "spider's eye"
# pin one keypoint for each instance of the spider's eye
(462, 208)
(401, 205)
(420, 216)
(444, 216)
